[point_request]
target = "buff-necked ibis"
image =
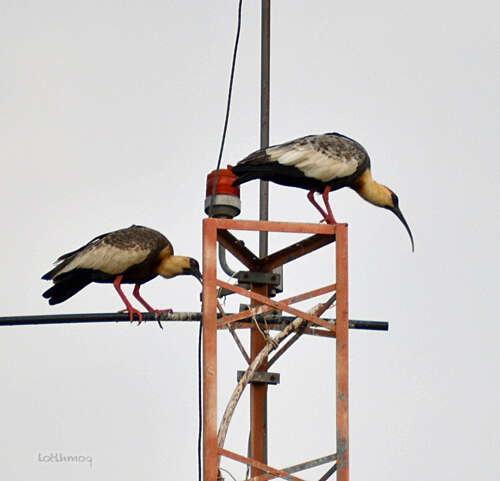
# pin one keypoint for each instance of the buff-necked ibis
(134, 255)
(320, 163)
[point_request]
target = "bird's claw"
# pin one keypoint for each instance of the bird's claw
(135, 311)
(131, 312)
(159, 312)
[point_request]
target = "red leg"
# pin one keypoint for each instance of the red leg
(140, 299)
(131, 309)
(330, 219)
(138, 296)
(310, 196)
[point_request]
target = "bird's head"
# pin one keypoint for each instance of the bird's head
(392, 204)
(382, 196)
(179, 266)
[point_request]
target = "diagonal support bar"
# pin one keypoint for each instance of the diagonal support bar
(277, 305)
(238, 249)
(263, 467)
(288, 344)
(262, 309)
(235, 336)
(294, 251)
(297, 467)
(329, 473)
(278, 258)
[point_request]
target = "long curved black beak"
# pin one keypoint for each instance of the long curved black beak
(399, 215)
(196, 273)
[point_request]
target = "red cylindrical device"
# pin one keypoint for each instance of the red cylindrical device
(226, 202)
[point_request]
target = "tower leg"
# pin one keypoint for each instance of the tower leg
(342, 356)
(210, 446)
(258, 398)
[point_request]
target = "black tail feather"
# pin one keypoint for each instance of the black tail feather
(274, 172)
(67, 287)
(247, 177)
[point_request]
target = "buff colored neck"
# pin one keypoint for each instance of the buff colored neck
(173, 266)
(372, 191)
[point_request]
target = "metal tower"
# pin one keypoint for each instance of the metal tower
(217, 230)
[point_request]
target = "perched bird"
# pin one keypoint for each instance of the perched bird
(134, 255)
(320, 163)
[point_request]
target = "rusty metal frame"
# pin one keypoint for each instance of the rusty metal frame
(269, 306)
(217, 230)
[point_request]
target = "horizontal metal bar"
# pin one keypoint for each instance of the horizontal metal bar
(297, 227)
(96, 317)
(164, 317)
(247, 277)
(276, 323)
(369, 325)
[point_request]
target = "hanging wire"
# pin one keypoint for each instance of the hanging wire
(228, 107)
(212, 198)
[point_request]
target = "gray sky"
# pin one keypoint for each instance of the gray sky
(111, 114)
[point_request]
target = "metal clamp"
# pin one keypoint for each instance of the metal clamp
(261, 377)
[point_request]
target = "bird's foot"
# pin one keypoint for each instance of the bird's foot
(159, 312)
(131, 312)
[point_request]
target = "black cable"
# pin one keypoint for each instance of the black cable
(226, 121)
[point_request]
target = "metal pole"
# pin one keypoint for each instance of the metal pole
(342, 355)
(210, 446)
(55, 319)
(258, 392)
(264, 116)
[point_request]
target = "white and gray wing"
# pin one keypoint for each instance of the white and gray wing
(112, 253)
(105, 257)
(323, 157)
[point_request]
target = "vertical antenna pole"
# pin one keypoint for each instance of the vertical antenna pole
(264, 116)
(258, 392)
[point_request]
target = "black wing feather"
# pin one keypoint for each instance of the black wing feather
(74, 282)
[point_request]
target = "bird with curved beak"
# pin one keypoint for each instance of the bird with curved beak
(320, 164)
(134, 255)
